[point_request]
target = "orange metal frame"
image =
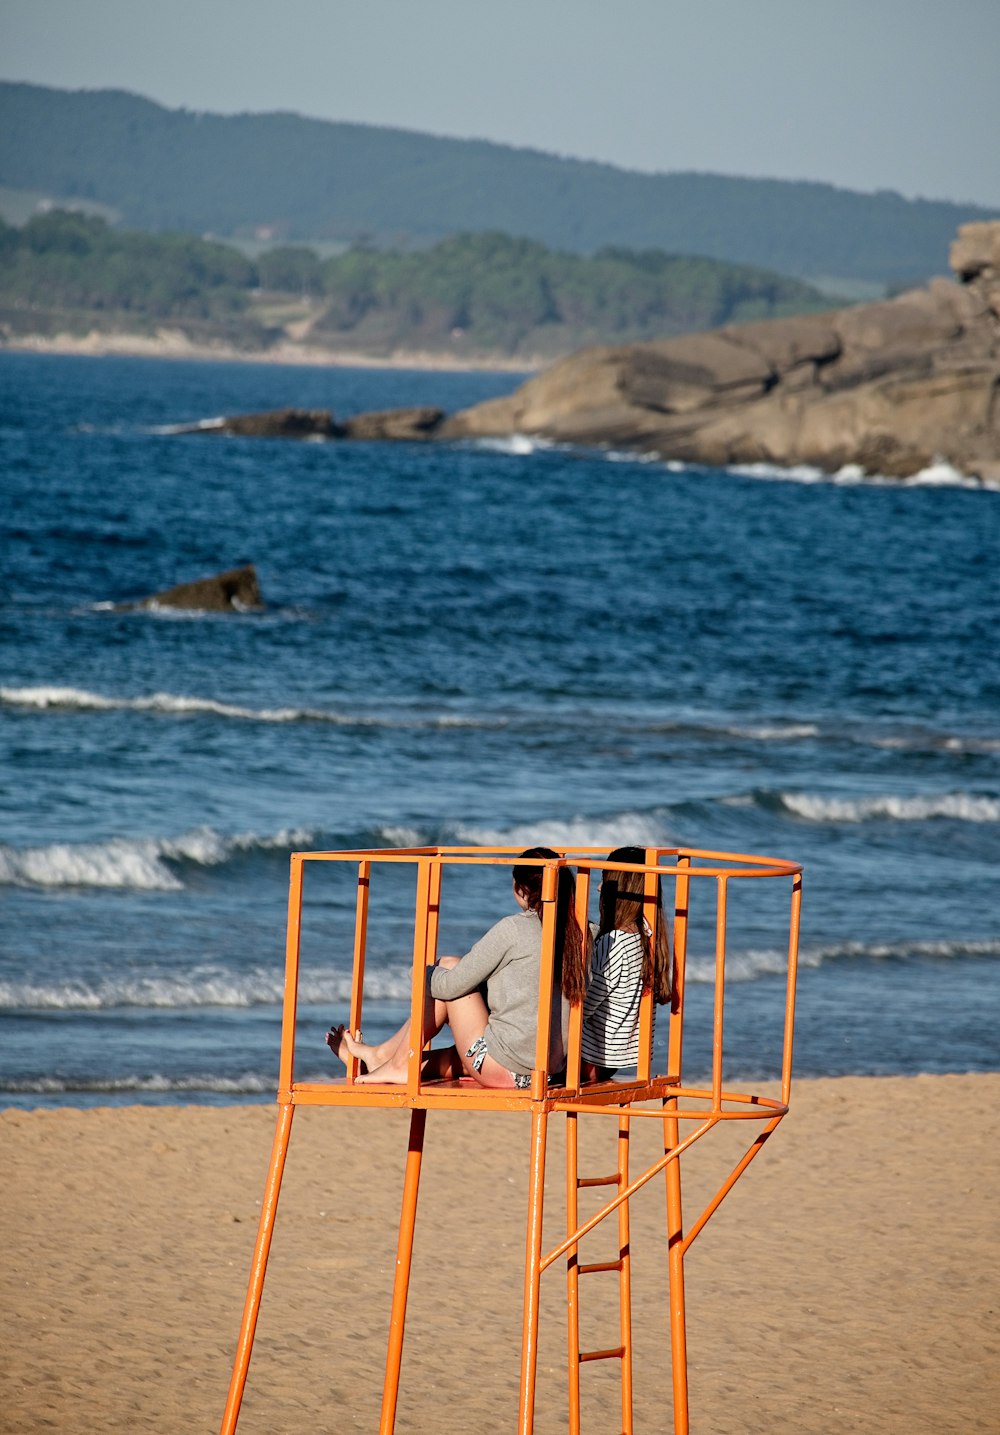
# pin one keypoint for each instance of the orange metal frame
(703, 1108)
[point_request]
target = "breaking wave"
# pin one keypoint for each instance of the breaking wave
(959, 806)
(521, 445)
(517, 444)
(60, 699)
(53, 698)
(938, 474)
(775, 732)
(247, 1084)
(749, 966)
(263, 987)
(135, 863)
(156, 864)
(941, 950)
(938, 742)
(618, 830)
(212, 986)
(604, 833)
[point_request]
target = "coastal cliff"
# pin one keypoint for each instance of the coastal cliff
(891, 386)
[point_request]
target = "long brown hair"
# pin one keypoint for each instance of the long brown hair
(570, 957)
(621, 908)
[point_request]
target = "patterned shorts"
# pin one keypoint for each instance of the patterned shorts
(477, 1055)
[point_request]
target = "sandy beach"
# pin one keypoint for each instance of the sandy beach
(167, 343)
(848, 1283)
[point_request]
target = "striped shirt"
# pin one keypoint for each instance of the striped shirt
(611, 1005)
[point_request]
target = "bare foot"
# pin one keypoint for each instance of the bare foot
(394, 1072)
(371, 1056)
(342, 1043)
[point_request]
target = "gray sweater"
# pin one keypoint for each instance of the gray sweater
(508, 959)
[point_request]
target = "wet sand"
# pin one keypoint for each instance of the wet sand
(847, 1284)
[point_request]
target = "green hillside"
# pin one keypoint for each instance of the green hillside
(468, 296)
(70, 273)
(298, 179)
(490, 293)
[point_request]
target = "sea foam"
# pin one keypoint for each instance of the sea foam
(959, 806)
(938, 474)
(517, 444)
(50, 697)
(80, 699)
(617, 830)
(207, 986)
(621, 829)
(137, 863)
(247, 1084)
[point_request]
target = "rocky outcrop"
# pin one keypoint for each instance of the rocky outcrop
(890, 386)
(234, 591)
(274, 423)
(975, 254)
(389, 424)
(394, 424)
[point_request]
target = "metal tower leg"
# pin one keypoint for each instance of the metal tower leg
(401, 1285)
(532, 1272)
(251, 1307)
(573, 1269)
(675, 1260)
(625, 1278)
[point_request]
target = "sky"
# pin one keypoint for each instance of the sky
(867, 94)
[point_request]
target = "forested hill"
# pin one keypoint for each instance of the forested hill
(468, 297)
(301, 179)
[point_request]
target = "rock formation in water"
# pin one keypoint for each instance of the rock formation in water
(890, 386)
(397, 424)
(419, 422)
(275, 423)
(234, 591)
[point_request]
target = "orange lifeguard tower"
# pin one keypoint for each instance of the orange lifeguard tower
(687, 1113)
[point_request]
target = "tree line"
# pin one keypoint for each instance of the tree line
(475, 293)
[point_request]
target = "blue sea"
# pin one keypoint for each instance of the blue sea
(495, 642)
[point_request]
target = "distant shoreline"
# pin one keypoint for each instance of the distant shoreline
(174, 344)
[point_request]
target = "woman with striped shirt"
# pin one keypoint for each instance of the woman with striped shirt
(623, 965)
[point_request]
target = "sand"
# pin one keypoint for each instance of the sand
(167, 343)
(848, 1283)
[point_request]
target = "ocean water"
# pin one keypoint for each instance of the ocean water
(473, 643)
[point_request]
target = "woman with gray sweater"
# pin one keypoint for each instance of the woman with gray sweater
(494, 1037)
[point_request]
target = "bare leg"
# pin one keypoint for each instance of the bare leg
(371, 1056)
(388, 1061)
(394, 1049)
(445, 1064)
(397, 1058)
(467, 1016)
(344, 1044)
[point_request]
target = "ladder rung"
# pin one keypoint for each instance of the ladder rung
(615, 1354)
(600, 1266)
(599, 1180)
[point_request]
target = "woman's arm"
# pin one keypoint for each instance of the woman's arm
(449, 983)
